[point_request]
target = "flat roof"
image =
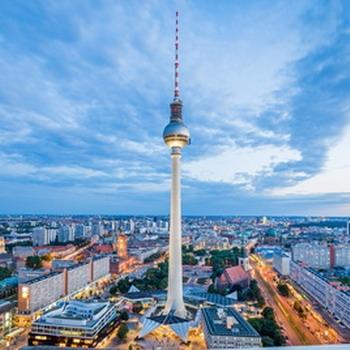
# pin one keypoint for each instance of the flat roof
(70, 312)
(217, 326)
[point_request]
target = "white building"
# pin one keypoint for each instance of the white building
(74, 324)
(312, 254)
(65, 234)
(40, 292)
(281, 263)
(43, 236)
(342, 255)
(100, 267)
(333, 298)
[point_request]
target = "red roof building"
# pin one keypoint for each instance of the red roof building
(233, 276)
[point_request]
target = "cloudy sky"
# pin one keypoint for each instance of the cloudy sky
(85, 87)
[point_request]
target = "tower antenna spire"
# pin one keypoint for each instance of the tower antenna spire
(177, 63)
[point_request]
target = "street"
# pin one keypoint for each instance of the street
(309, 330)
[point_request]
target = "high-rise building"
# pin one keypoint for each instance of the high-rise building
(122, 246)
(43, 236)
(2, 245)
(65, 234)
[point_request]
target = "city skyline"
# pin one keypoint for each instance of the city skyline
(265, 91)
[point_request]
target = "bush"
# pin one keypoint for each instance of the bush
(283, 289)
(122, 331)
(34, 262)
(137, 307)
(4, 273)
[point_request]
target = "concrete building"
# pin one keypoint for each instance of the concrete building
(43, 236)
(322, 256)
(77, 277)
(332, 296)
(42, 291)
(65, 234)
(122, 246)
(2, 245)
(100, 267)
(7, 317)
(281, 263)
(312, 254)
(74, 324)
(225, 328)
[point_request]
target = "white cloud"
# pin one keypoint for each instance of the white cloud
(333, 178)
(240, 165)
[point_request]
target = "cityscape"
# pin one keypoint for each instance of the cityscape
(215, 234)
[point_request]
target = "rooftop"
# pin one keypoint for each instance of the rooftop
(68, 313)
(227, 322)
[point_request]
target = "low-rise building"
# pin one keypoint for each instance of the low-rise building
(74, 324)
(225, 328)
(234, 276)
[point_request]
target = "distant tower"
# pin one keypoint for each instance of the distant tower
(2, 245)
(243, 259)
(122, 246)
(176, 136)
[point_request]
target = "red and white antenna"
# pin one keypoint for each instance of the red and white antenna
(177, 63)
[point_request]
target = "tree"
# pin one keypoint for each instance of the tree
(113, 290)
(122, 331)
(34, 262)
(4, 273)
(123, 285)
(200, 252)
(188, 259)
(137, 307)
(268, 313)
(299, 309)
(283, 289)
(268, 328)
(124, 315)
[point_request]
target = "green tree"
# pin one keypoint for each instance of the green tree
(189, 259)
(124, 315)
(200, 252)
(122, 331)
(4, 273)
(137, 307)
(123, 285)
(34, 262)
(283, 289)
(113, 290)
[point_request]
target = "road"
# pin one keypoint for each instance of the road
(311, 330)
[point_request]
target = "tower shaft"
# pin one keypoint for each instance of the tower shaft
(175, 301)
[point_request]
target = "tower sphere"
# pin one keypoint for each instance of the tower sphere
(176, 133)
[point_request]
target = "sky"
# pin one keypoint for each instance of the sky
(85, 88)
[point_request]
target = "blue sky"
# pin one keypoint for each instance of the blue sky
(85, 88)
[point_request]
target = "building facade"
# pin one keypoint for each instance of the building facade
(332, 296)
(40, 292)
(74, 324)
(281, 263)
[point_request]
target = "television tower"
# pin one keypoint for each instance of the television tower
(176, 136)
